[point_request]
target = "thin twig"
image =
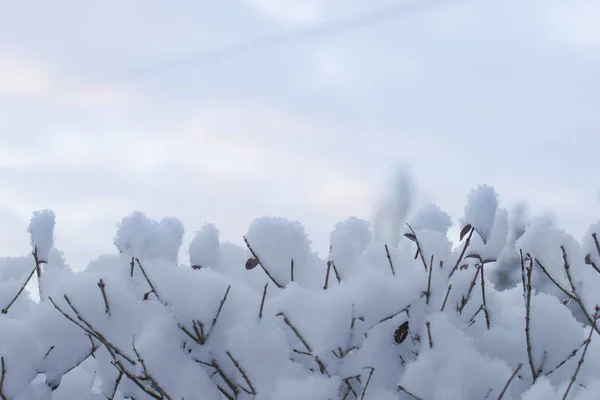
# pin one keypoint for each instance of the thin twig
(573, 354)
(102, 286)
(387, 251)
(2, 376)
(38, 269)
(5, 309)
(131, 264)
(214, 321)
(262, 302)
(516, 371)
(446, 298)
(485, 309)
(244, 375)
(428, 294)
(428, 324)
(364, 390)
(335, 271)
(322, 367)
(402, 389)
(150, 282)
(465, 300)
(280, 286)
(116, 386)
(581, 360)
(528, 290)
(419, 250)
(327, 275)
(292, 270)
(462, 253)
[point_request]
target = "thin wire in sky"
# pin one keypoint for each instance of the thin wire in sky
(206, 57)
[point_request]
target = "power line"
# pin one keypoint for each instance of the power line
(222, 53)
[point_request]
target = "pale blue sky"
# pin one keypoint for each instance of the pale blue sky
(224, 111)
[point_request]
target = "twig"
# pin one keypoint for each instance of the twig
(292, 270)
(132, 264)
(402, 389)
(147, 376)
(149, 282)
(225, 378)
(364, 390)
(580, 363)
(327, 275)
(38, 269)
(2, 376)
(261, 264)
(485, 309)
(462, 253)
(116, 386)
(387, 251)
(573, 353)
(516, 371)
(244, 375)
(428, 294)
(262, 302)
(101, 285)
(322, 367)
(465, 300)
(337, 274)
(528, 290)
(416, 240)
(214, 321)
(5, 309)
(428, 324)
(446, 298)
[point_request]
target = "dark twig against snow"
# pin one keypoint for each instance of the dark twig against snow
(515, 372)
(102, 287)
(389, 257)
(5, 309)
(582, 359)
(280, 286)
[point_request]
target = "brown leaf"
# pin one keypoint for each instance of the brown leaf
(251, 263)
(411, 236)
(401, 333)
(464, 231)
(146, 295)
(196, 266)
(588, 259)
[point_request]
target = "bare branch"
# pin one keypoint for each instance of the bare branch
(387, 251)
(462, 253)
(402, 389)
(428, 324)
(362, 396)
(516, 371)
(581, 360)
(2, 376)
(5, 309)
(262, 302)
(244, 375)
(280, 286)
(102, 286)
(446, 298)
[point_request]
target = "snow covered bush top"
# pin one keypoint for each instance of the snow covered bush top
(415, 317)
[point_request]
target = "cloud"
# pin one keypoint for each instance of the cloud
(22, 77)
(574, 22)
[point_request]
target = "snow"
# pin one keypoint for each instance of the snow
(386, 317)
(204, 248)
(41, 229)
(480, 210)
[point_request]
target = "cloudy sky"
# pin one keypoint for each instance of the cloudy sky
(224, 111)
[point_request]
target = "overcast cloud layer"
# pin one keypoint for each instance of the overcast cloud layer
(225, 111)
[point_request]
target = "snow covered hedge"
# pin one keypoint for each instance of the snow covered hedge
(508, 311)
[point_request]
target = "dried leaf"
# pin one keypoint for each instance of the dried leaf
(588, 259)
(411, 236)
(251, 263)
(464, 231)
(196, 266)
(417, 254)
(401, 333)
(146, 295)
(473, 255)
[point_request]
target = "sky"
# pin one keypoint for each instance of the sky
(225, 111)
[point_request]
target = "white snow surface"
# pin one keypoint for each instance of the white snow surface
(138, 324)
